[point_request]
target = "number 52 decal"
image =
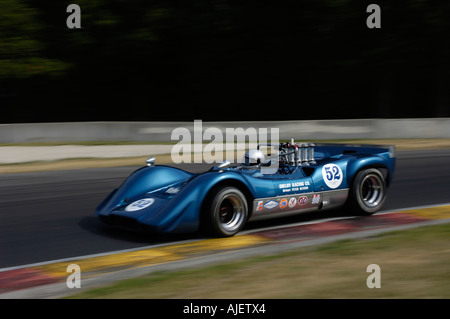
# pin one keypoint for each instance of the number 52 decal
(332, 175)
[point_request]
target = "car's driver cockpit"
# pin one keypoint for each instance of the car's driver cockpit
(279, 159)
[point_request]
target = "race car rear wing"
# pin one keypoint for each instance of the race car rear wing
(332, 149)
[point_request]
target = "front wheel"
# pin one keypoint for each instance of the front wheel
(226, 212)
(368, 192)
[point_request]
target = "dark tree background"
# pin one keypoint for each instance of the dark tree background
(223, 60)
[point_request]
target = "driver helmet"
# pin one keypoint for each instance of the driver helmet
(253, 157)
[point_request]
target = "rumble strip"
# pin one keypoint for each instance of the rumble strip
(28, 276)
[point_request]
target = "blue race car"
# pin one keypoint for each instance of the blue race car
(294, 179)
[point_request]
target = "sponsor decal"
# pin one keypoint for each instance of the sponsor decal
(271, 204)
(295, 186)
(315, 199)
(292, 202)
(302, 200)
(259, 206)
(283, 203)
(139, 204)
(332, 175)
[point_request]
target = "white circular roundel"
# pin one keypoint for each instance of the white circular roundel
(332, 175)
(139, 204)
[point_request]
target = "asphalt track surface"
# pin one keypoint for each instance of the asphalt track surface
(50, 215)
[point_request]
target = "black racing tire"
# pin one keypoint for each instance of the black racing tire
(225, 212)
(367, 193)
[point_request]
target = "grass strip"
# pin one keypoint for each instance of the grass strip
(414, 264)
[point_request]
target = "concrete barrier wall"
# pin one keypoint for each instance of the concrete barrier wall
(162, 131)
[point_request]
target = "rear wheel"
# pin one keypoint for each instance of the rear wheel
(368, 192)
(226, 212)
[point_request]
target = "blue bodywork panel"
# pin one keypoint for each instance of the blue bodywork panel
(167, 199)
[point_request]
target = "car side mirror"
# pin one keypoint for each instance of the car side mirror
(224, 164)
(150, 161)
